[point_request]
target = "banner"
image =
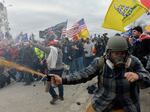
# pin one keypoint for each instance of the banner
(54, 32)
(25, 38)
(146, 3)
(123, 12)
(22, 37)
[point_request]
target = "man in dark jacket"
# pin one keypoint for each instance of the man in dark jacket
(27, 58)
(120, 75)
(141, 46)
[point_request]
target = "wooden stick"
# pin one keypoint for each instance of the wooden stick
(18, 67)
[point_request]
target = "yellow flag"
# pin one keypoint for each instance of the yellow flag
(123, 12)
(84, 33)
(83, 30)
(147, 28)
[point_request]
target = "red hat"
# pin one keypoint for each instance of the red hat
(52, 42)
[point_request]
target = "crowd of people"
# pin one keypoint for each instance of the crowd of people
(50, 57)
(76, 54)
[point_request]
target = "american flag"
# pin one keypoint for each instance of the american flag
(72, 32)
(64, 30)
(76, 28)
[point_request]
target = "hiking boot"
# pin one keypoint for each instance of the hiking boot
(61, 98)
(53, 101)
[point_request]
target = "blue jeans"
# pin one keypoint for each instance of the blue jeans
(80, 64)
(77, 64)
(28, 78)
(73, 66)
(53, 92)
(88, 60)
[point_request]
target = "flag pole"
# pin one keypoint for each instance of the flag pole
(18, 67)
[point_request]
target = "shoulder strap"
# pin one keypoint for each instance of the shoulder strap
(100, 75)
(130, 68)
(101, 62)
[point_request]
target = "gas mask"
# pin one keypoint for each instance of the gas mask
(118, 62)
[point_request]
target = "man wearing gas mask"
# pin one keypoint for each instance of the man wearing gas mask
(120, 75)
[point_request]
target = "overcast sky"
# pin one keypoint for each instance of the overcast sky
(34, 15)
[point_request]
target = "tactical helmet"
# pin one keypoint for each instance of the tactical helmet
(117, 43)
